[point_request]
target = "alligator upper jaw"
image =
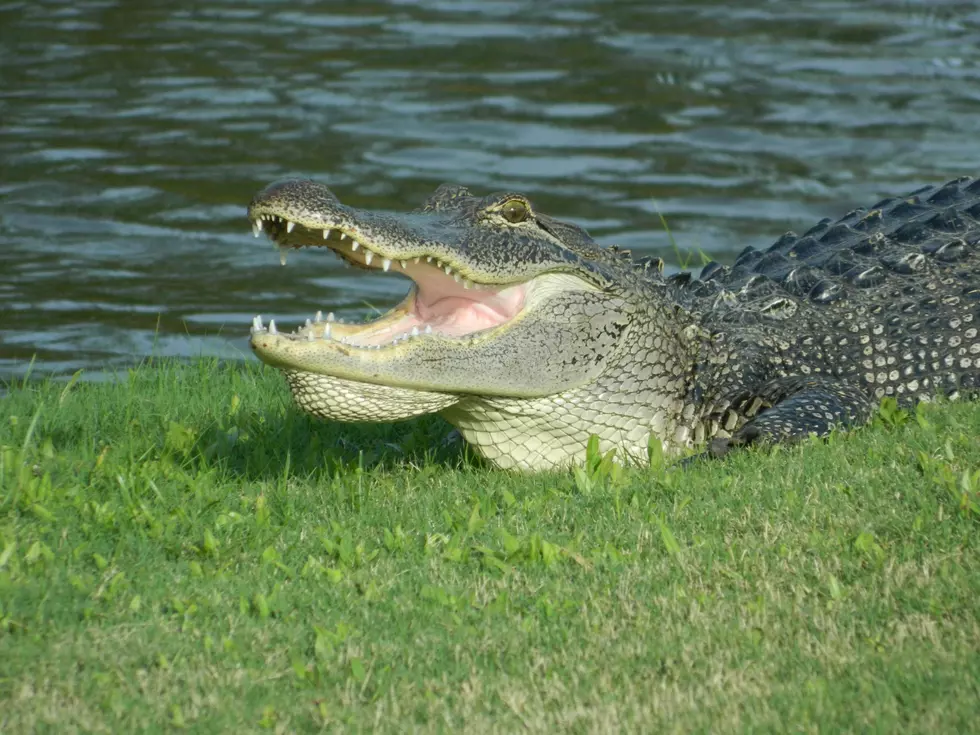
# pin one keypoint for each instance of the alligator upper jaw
(442, 303)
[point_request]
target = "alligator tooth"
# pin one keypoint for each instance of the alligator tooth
(308, 324)
(326, 233)
(309, 336)
(257, 324)
(343, 236)
(428, 329)
(327, 330)
(385, 264)
(282, 256)
(319, 317)
(428, 258)
(417, 261)
(448, 269)
(289, 226)
(272, 327)
(330, 317)
(415, 331)
(404, 264)
(368, 256)
(457, 277)
(467, 283)
(257, 227)
(354, 244)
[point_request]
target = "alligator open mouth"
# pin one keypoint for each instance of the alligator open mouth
(445, 300)
(492, 287)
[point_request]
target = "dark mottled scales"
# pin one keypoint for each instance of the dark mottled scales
(886, 303)
(819, 229)
(837, 233)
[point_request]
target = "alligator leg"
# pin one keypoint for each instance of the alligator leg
(800, 406)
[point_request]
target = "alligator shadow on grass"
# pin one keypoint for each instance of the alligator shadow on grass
(271, 445)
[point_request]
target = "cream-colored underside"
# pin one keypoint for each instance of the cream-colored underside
(337, 399)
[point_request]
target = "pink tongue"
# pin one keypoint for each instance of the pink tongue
(443, 306)
(456, 316)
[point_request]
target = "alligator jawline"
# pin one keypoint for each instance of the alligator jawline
(442, 303)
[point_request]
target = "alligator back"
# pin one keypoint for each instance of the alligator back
(889, 295)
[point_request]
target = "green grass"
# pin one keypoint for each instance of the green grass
(184, 549)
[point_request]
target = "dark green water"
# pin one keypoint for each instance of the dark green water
(133, 136)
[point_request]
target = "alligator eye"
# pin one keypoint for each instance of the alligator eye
(514, 211)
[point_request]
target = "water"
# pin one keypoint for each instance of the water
(132, 138)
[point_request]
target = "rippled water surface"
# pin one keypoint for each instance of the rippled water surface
(132, 138)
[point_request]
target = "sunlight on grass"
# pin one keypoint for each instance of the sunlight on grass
(182, 548)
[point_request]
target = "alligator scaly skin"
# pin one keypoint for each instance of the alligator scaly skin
(797, 339)
(820, 327)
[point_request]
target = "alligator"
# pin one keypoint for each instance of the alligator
(529, 337)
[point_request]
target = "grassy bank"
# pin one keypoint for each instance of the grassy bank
(184, 549)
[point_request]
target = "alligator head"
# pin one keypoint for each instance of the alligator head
(511, 316)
